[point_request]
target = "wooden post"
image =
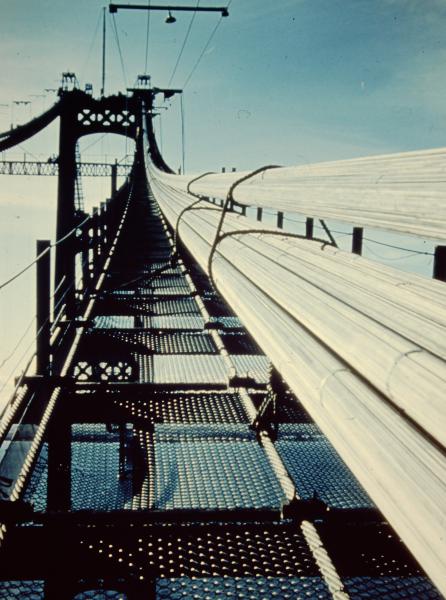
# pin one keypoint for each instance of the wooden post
(43, 307)
(280, 219)
(259, 214)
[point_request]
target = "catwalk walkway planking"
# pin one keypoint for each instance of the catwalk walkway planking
(152, 483)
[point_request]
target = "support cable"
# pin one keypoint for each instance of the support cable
(115, 29)
(87, 60)
(184, 44)
(147, 39)
(205, 47)
(28, 266)
(399, 247)
(183, 149)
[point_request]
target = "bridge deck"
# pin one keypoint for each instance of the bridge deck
(151, 482)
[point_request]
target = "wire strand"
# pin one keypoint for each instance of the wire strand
(195, 67)
(147, 38)
(409, 254)
(184, 44)
(115, 29)
(39, 256)
(183, 140)
(399, 247)
(87, 60)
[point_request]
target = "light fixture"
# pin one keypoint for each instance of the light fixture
(170, 18)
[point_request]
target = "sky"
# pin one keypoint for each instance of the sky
(285, 82)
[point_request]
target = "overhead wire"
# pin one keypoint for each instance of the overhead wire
(147, 37)
(205, 47)
(184, 44)
(87, 60)
(94, 142)
(115, 29)
(183, 141)
(39, 256)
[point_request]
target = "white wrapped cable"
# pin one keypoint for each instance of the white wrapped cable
(398, 192)
(402, 469)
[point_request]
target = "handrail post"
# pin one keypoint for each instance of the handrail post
(114, 178)
(440, 263)
(85, 256)
(95, 241)
(280, 219)
(103, 226)
(43, 307)
(357, 240)
(309, 228)
(259, 214)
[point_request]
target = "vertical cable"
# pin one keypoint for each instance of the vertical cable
(183, 150)
(147, 37)
(184, 45)
(119, 50)
(103, 51)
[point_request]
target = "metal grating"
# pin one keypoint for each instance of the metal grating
(176, 307)
(394, 588)
(255, 366)
(183, 369)
(177, 407)
(236, 588)
(22, 590)
(205, 551)
(315, 466)
(239, 343)
(100, 595)
(173, 322)
(95, 482)
(114, 322)
(227, 322)
(212, 466)
(166, 342)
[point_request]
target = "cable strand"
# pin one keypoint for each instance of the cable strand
(184, 44)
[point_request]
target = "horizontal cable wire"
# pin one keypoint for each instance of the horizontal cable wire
(39, 256)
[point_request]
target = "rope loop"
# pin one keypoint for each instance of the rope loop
(227, 207)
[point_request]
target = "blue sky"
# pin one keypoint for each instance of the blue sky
(283, 82)
(287, 82)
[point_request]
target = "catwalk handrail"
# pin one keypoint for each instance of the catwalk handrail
(401, 192)
(365, 377)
